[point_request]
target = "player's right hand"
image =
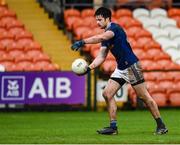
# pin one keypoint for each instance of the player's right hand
(77, 45)
(86, 72)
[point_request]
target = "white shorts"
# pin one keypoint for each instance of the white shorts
(132, 74)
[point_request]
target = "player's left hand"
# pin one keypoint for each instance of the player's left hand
(86, 72)
(77, 45)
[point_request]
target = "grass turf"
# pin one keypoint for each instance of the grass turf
(80, 127)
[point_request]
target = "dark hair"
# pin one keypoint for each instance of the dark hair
(104, 12)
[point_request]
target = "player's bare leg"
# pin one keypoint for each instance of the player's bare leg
(108, 94)
(142, 92)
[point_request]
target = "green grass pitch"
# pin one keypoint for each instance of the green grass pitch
(80, 127)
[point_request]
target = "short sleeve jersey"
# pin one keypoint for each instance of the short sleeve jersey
(120, 47)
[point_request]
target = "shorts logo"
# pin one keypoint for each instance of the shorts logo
(13, 88)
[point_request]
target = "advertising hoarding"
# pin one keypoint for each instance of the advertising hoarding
(42, 88)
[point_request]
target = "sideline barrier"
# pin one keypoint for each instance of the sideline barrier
(42, 88)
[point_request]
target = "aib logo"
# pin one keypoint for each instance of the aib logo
(12, 88)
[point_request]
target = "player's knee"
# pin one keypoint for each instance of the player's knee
(143, 96)
(106, 95)
(148, 100)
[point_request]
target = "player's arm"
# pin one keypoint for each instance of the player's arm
(99, 38)
(93, 40)
(100, 58)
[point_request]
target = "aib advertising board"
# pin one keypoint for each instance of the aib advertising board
(42, 88)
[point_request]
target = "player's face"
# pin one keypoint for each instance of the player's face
(102, 22)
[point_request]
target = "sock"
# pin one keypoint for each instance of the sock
(113, 124)
(159, 122)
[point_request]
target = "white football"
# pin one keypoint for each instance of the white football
(79, 66)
